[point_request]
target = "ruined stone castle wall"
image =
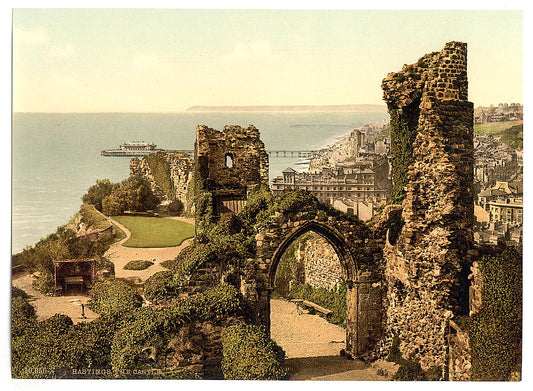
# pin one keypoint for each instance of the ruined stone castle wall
(231, 159)
(181, 169)
(427, 267)
(229, 164)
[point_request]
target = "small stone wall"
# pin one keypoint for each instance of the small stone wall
(321, 264)
(460, 355)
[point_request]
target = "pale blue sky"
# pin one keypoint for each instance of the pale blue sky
(160, 60)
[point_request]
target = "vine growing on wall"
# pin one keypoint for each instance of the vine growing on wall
(160, 168)
(496, 330)
(403, 131)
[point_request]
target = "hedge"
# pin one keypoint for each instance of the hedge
(248, 354)
(113, 297)
(138, 265)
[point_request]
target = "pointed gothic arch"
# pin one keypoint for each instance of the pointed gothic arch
(359, 254)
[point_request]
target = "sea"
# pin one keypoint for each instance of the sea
(56, 157)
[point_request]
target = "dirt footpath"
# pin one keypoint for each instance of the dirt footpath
(46, 306)
(312, 346)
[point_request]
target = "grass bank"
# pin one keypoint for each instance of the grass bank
(149, 232)
(494, 128)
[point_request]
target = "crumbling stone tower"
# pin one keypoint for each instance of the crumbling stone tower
(432, 148)
(229, 164)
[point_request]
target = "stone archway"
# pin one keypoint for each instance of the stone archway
(359, 255)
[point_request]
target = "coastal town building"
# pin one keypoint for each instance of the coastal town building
(356, 187)
(499, 214)
(495, 162)
(500, 113)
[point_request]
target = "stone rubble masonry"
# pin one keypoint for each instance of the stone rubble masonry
(247, 152)
(460, 360)
(476, 285)
(321, 264)
(181, 169)
(230, 163)
(427, 267)
(198, 347)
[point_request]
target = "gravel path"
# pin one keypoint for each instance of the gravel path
(312, 346)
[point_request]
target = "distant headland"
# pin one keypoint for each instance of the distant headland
(361, 107)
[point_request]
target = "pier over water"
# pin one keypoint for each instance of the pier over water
(300, 153)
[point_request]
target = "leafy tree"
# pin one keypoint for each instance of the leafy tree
(96, 193)
(133, 194)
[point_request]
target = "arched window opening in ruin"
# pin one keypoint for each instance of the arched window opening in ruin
(229, 160)
(308, 301)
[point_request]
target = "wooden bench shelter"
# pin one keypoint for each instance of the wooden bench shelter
(74, 273)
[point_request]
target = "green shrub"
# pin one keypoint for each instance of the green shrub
(17, 292)
(394, 353)
(295, 200)
(92, 218)
(132, 194)
(44, 283)
(191, 257)
(248, 354)
(96, 193)
(175, 208)
(56, 325)
(138, 265)
(113, 297)
(161, 286)
(409, 370)
(105, 264)
(23, 317)
(57, 347)
(433, 373)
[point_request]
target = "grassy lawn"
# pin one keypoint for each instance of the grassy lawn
(494, 128)
(155, 232)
